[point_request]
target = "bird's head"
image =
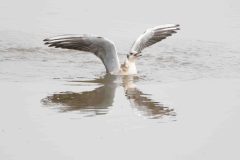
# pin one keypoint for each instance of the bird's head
(132, 56)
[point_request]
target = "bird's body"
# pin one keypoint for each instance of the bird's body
(128, 68)
(106, 51)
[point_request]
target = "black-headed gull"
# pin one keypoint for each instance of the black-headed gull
(106, 51)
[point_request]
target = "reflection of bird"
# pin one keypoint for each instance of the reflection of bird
(105, 49)
(99, 100)
(142, 102)
(147, 106)
(93, 102)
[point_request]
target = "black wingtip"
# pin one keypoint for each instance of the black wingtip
(51, 45)
(46, 40)
(47, 43)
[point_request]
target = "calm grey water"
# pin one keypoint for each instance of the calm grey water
(61, 103)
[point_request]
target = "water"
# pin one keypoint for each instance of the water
(59, 104)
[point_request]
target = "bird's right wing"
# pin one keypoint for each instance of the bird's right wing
(101, 47)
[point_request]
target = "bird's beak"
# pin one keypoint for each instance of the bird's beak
(137, 55)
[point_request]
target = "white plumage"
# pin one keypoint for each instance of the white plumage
(106, 51)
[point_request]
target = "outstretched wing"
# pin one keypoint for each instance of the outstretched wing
(152, 36)
(101, 47)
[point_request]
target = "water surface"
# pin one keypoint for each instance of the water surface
(60, 104)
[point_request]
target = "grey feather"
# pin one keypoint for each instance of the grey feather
(101, 47)
(153, 35)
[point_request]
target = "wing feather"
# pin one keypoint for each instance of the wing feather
(101, 47)
(152, 36)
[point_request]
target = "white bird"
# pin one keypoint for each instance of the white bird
(106, 51)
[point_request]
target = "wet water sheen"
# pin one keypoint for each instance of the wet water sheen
(59, 104)
(100, 99)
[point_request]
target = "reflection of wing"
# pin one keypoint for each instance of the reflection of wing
(101, 47)
(152, 36)
(147, 106)
(99, 100)
(93, 102)
(142, 102)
